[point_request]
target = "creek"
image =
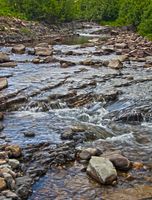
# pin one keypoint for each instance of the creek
(46, 100)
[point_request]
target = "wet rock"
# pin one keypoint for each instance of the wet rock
(29, 134)
(65, 64)
(2, 184)
(31, 51)
(9, 194)
(1, 127)
(3, 155)
(115, 64)
(3, 83)
(132, 116)
(7, 169)
(43, 44)
(8, 64)
(47, 59)
(36, 60)
(2, 161)
(14, 163)
(43, 51)
(102, 170)
(137, 165)
(123, 58)
(1, 116)
(14, 151)
(108, 49)
(9, 181)
(4, 57)
(119, 161)
(23, 192)
(67, 134)
(120, 45)
(88, 152)
(18, 49)
(84, 117)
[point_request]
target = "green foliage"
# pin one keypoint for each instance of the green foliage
(117, 12)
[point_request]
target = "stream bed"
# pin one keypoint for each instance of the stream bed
(112, 108)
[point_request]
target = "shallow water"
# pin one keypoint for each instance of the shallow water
(55, 98)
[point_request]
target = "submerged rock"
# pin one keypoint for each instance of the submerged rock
(102, 170)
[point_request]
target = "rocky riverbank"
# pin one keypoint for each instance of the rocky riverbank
(75, 104)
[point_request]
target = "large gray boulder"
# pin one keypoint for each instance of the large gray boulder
(102, 170)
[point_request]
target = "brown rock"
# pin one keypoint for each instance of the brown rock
(43, 51)
(3, 83)
(8, 64)
(137, 165)
(4, 57)
(119, 161)
(115, 64)
(36, 60)
(14, 151)
(65, 64)
(2, 184)
(2, 161)
(123, 58)
(1, 116)
(19, 49)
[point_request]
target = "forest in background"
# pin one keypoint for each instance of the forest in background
(137, 13)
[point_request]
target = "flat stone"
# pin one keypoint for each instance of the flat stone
(2, 184)
(102, 170)
(4, 57)
(8, 64)
(3, 83)
(43, 51)
(19, 49)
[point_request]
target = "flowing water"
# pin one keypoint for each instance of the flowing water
(47, 99)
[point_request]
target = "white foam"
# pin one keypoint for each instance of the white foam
(128, 138)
